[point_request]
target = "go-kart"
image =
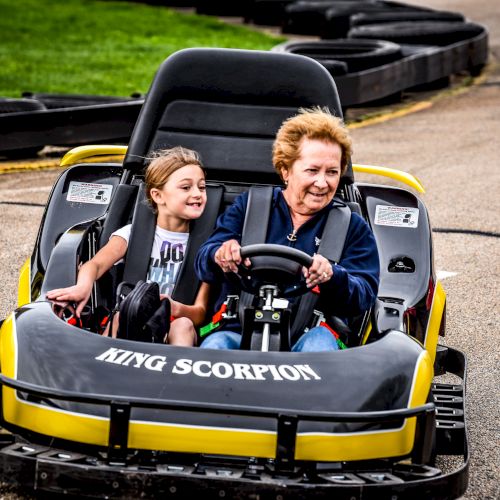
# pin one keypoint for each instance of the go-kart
(89, 415)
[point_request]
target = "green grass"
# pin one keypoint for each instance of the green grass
(101, 47)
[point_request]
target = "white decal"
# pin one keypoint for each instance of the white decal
(155, 363)
(124, 358)
(182, 367)
(88, 192)
(207, 369)
(244, 371)
(396, 216)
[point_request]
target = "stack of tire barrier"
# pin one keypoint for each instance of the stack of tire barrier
(375, 49)
(35, 120)
(378, 49)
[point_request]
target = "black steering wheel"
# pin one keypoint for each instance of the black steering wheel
(274, 264)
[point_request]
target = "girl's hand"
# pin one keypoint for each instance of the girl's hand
(77, 294)
(175, 308)
(228, 256)
(319, 272)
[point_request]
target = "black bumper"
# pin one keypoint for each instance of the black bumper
(59, 472)
(127, 474)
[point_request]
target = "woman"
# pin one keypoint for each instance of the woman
(310, 153)
(175, 188)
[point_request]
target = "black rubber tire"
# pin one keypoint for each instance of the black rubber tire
(364, 18)
(338, 19)
(221, 7)
(309, 17)
(20, 154)
(438, 33)
(57, 101)
(334, 66)
(169, 3)
(8, 105)
(358, 55)
(267, 12)
(179, 3)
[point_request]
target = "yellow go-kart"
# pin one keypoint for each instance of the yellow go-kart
(94, 416)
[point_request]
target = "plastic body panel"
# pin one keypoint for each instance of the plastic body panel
(395, 241)
(61, 213)
(154, 418)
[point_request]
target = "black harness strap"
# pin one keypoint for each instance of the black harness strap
(142, 236)
(331, 246)
(335, 233)
(257, 216)
(118, 211)
(332, 243)
(187, 284)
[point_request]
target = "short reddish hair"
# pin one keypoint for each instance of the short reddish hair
(313, 123)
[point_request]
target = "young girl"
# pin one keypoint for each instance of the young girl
(175, 187)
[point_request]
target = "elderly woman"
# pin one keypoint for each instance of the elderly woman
(310, 153)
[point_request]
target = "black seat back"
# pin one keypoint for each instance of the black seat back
(227, 104)
(142, 237)
(141, 240)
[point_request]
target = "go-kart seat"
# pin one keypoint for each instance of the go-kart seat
(142, 236)
(227, 104)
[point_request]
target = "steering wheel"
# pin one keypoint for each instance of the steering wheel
(274, 264)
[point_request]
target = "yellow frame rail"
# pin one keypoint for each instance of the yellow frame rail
(399, 175)
(83, 152)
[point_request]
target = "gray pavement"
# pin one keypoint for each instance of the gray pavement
(453, 148)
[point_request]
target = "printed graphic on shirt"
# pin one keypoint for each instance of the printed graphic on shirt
(164, 269)
(396, 216)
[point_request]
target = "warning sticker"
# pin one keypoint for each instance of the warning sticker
(396, 216)
(88, 192)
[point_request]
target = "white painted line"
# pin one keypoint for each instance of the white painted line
(441, 275)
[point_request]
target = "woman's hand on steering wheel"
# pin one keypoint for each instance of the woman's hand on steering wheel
(228, 256)
(319, 272)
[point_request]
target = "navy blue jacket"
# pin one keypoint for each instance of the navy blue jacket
(353, 288)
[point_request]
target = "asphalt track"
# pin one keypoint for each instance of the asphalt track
(452, 145)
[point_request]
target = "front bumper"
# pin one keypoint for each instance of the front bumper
(122, 473)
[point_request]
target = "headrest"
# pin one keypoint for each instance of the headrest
(228, 104)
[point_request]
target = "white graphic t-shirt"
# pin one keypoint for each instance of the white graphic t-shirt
(167, 255)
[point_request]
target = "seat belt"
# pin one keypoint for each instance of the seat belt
(142, 236)
(331, 247)
(187, 283)
(257, 215)
(332, 243)
(254, 230)
(119, 209)
(335, 233)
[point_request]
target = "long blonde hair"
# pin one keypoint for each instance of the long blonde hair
(164, 163)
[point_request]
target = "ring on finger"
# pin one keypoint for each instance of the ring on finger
(325, 275)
